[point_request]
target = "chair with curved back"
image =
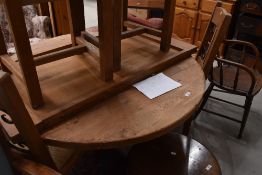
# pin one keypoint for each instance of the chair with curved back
(236, 74)
(15, 163)
(14, 114)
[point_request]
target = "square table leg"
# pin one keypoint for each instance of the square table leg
(106, 38)
(168, 21)
(23, 50)
(76, 18)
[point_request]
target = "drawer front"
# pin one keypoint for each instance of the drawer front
(192, 4)
(208, 6)
(146, 3)
(184, 24)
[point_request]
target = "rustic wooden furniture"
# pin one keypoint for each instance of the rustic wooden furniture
(236, 75)
(126, 118)
(108, 42)
(192, 18)
(247, 25)
(214, 36)
(141, 58)
(18, 116)
(172, 154)
(20, 165)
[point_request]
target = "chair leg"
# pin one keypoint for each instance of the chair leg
(187, 124)
(205, 98)
(248, 104)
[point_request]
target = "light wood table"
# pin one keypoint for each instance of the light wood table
(116, 120)
(130, 117)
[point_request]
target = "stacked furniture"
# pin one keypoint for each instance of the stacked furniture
(191, 16)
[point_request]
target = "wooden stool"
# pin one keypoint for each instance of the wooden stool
(110, 24)
(172, 154)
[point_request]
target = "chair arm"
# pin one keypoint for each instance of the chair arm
(242, 67)
(27, 167)
(245, 43)
(41, 25)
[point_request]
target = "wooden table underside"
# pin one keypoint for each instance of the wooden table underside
(73, 84)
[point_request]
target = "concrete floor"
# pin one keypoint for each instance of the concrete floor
(236, 157)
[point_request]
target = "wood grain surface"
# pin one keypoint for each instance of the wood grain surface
(130, 117)
(73, 84)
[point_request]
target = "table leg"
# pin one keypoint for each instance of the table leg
(23, 51)
(117, 33)
(167, 28)
(106, 38)
(76, 18)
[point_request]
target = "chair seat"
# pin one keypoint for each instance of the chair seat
(155, 23)
(172, 154)
(244, 81)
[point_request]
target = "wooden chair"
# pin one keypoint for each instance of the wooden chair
(236, 73)
(27, 59)
(215, 34)
(172, 154)
(168, 7)
(19, 165)
(11, 103)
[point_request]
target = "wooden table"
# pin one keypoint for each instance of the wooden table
(130, 117)
(123, 119)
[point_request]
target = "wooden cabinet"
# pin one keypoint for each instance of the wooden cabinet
(146, 3)
(141, 13)
(185, 24)
(208, 6)
(192, 17)
(203, 20)
(192, 4)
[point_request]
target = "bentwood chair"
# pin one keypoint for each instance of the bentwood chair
(215, 34)
(14, 114)
(236, 74)
(177, 154)
(13, 163)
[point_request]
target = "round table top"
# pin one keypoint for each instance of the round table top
(130, 117)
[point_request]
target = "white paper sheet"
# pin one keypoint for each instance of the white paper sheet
(156, 85)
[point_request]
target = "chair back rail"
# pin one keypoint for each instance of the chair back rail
(18, 162)
(214, 36)
(12, 104)
(240, 64)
